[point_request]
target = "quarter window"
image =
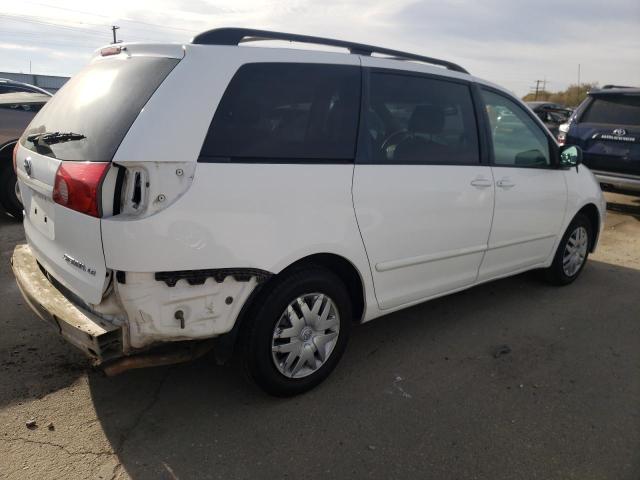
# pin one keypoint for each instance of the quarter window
(517, 140)
(287, 111)
(419, 120)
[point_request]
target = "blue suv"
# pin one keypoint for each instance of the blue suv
(606, 126)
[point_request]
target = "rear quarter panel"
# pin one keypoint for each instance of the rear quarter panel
(263, 216)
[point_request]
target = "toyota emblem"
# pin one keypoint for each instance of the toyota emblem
(27, 165)
(620, 132)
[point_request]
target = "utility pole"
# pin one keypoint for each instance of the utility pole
(537, 87)
(578, 76)
(113, 29)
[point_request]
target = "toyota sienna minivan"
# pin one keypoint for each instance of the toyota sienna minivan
(262, 201)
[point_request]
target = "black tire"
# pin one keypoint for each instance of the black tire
(556, 274)
(8, 199)
(259, 329)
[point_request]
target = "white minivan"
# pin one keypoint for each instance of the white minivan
(182, 198)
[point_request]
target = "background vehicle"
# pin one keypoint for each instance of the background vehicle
(288, 201)
(551, 114)
(606, 126)
(19, 102)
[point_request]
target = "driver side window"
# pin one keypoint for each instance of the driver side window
(420, 120)
(517, 140)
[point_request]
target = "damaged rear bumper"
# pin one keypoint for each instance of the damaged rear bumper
(100, 340)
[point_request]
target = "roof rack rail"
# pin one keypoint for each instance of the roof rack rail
(235, 36)
(606, 87)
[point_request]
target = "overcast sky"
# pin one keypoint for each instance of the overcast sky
(510, 42)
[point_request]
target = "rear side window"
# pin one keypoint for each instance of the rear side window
(613, 110)
(99, 104)
(22, 101)
(282, 111)
(419, 120)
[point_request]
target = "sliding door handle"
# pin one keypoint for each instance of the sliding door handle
(505, 183)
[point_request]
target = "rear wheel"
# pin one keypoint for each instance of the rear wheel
(298, 332)
(9, 195)
(572, 252)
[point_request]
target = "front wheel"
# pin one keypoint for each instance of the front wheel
(9, 195)
(572, 252)
(298, 331)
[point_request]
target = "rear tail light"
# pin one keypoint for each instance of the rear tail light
(78, 186)
(562, 137)
(15, 154)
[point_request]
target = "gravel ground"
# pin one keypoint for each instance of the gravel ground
(419, 393)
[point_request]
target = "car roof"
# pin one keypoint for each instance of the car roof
(615, 90)
(24, 98)
(236, 36)
(27, 85)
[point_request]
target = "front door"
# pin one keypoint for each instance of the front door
(422, 198)
(531, 193)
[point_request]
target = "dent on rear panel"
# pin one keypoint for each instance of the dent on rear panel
(158, 312)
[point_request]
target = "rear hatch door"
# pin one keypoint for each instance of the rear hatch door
(609, 133)
(84, 123)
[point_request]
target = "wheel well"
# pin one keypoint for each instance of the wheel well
(6, 150)
(591, 212)
(344, 269)
(226, 344)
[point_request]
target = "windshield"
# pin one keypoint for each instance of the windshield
(98, 105)
(613, 110)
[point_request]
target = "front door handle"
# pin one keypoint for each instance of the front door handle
(481, 182)
(505, 183)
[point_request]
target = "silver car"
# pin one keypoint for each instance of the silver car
(19, 102)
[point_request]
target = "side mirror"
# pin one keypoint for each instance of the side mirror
(570, 156)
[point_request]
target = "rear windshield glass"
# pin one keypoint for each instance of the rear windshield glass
(286, 111)
(614, 110)
(99, 104)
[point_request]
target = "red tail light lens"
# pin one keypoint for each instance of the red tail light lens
(15, 154)
(562, 137)
(78, 186)
(105, 52)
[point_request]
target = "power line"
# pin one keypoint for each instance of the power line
(188, 30)
(36, 21)
(72, 31)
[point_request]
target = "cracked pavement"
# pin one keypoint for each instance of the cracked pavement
(419, 394)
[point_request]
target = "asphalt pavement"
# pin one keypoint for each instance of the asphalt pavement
(513, 379)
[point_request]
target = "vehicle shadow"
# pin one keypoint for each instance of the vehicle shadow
(631, 208)
(423, 392)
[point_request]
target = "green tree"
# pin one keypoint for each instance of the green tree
(570, 97)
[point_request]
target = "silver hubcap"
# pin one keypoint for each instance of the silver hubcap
(305, 335)
(575, 251)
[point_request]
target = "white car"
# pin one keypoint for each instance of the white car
(184, 197)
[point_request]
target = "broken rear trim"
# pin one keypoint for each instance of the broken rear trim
(198, 277)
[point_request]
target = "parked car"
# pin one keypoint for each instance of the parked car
(606, 126)
(270, 198)
(19, 102)
(552, 114)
